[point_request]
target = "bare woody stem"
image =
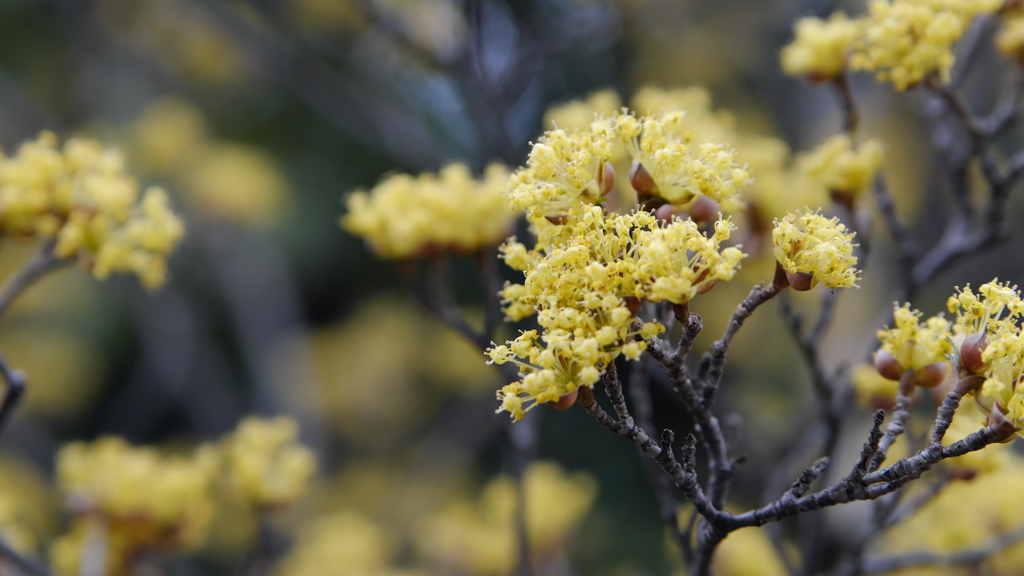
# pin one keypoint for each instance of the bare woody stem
(900, 417)
(850, 117)
(713, 362)
(944, 415)
(43, 262)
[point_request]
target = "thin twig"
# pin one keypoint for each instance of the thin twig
(900, 417)
(43, 262)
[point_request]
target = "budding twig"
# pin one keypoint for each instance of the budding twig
(900, 417)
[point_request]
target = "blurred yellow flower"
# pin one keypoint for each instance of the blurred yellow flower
(343, 543)
(904, 41)
(847, 172)
(479, 537)
(236, 182)
(81, 196)
(265, 464)
(408, 216)
(820, 48)
(144, 498)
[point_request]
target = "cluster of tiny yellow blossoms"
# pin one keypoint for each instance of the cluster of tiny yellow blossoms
(846, 171)
(993, 315)
(904, 41)
(563, 170)
(809, 243)
(820, 48)
(265, 464)
(81, 196)
(580, 281)
(479, 537)
(667, 163)
(408, 216)
(132, 498)
(917, 345)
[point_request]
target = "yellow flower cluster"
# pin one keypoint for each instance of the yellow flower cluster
(132, 497)
(820, 48)
(1010, 40)
(339, 544)
(996, 316)
(906, 40)
(576, 115)
(667, 163)
(916, 345)
(409, 216)
(582, 279)
(847, 172)
(995, 309)
(809, 243)
(564, 169)
(130, 500)
(778, 188)
(468, 537)
(81, 196)
(265, 464)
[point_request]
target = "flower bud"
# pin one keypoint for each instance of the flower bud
(887, 365)
(971, 351)
(682, 312)
(642, 181)
(703, 209)
(606, 178)
(666, 213)
(557, 220)
(565, 401)
(932, 375)
(631, 302)
(800, 281)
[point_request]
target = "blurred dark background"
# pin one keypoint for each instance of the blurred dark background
(259, 116)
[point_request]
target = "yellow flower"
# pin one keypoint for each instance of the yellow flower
(81, 196)
(995, 312)
(820, 48)
(983, 313)
(913, 344)
(581, 279)
(904, 41)
(577, 115)
(683, 262)
(145, 498)
(675, 168)
(342, 543)
(846, 172)
(562, 171)
(407, 216)
(265, 464)
(479, 536)
(811, 244)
